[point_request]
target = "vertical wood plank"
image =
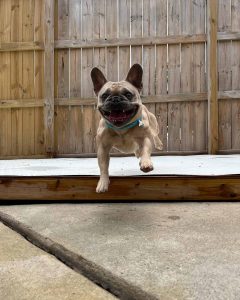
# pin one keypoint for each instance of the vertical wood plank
(124, 32)
(75, 54)
(161, 71)
(235, 55)
(62, 79)
(224, 76)
(49, 78)
(112, 32)
(75, 118)
(28, 75)
(149, 29)
(212, 77)
(187, 108)
(16, 77)
(199, 78)
(39, 77)
(136, 30)
(87, 64)
(5, 115)
(173, 76)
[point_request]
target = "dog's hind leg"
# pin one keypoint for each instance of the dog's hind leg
(157, 143)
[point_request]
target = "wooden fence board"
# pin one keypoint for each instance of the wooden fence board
(148, 63)
(235, 58)
(16, 78)
(213, 140)
(28, 75)
(161, 72)
(224, 76)
(136, 30)
(48, 86)
(174, 113)
(39, 16)
(186, 76)
(5, 130)
(87, 65)
(199, 78)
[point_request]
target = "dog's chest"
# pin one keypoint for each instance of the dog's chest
(125, 143)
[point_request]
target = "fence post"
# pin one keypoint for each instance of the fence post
(212, 76)
(49, 77)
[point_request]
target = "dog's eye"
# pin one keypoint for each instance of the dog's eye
(104, 96)
(129, 95)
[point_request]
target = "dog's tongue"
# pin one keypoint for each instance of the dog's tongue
(116, 116)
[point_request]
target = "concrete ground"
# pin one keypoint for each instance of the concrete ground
(167, 250)
(28, 273)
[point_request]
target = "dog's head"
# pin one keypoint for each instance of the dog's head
(118, 102)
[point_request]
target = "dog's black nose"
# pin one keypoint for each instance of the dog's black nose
(115, 99)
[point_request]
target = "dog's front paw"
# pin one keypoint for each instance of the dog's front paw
(102, 185)
(146, 166)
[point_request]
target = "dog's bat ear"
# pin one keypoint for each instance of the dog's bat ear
(134, 76)
(98, 80)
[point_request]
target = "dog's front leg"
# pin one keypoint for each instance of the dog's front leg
(103, 162)
(145, 156)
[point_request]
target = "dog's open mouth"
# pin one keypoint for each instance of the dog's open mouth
(119, 117)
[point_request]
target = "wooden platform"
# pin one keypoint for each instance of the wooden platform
(201, 177)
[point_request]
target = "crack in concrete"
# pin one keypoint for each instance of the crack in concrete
(103, 278)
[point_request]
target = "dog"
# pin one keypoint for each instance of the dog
(126, 124)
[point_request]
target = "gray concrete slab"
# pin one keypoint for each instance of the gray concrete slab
(172, 250)
(124, 166)
(28, 273)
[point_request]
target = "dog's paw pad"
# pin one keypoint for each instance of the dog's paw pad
(102, 185)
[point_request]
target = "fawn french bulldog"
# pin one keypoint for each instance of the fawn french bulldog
(126, 123)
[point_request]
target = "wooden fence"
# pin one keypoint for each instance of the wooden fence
(189, 50)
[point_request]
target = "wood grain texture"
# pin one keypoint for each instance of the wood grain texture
(62, 82)
(39, 15)
(186, 76)
(16, 78)
(174, 109)
(212, 77)
(136, 30)
(142, 188)
(21, 46)
(161, 72)
(28, 78)
(87, 88)
(75, 67)
(49, 77)
(199, 78)
(235, 69)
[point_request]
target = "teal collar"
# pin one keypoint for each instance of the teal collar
(127, 126)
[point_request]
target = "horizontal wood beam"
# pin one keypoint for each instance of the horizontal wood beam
(21, 46)
(188, 97)
(182, 97)
(145, 41)
(134, 188)
(227, 36)
(145, 99)
(98, 43)
(229, 94)
(22, 103)
(171, 39)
